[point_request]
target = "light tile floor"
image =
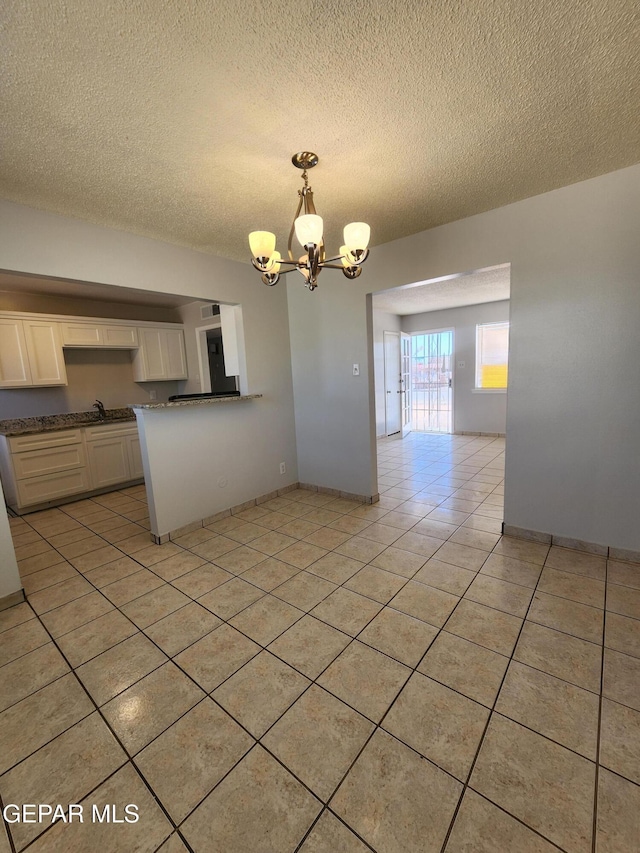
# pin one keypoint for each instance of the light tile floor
(317, 675)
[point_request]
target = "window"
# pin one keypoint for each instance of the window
(492, 356)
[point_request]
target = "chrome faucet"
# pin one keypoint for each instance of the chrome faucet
(101, 412)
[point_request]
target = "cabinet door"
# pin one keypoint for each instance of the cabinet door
(161, 355)
(35, 463)
(149, 362)
(108, 461)
(51, 486)
(14, 362)
(44, 347)
(136, 470)
(120, 336)
(81, 334)
(176, 359)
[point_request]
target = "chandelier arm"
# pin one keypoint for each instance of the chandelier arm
(292, 269)
(329, 266)
(293, 226)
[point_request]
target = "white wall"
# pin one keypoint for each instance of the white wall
(218, 464)
(46, 244)
(382, 322)
(573, 465)
(9, 577)
(473, 411)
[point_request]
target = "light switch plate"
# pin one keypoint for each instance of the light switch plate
(356, 370)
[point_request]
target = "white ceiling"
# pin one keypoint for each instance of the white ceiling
(177, 119)
(491, 285)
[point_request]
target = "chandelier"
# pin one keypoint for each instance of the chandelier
(308, 230)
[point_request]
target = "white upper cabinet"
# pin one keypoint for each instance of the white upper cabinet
(30, 354)
(31, 347)
(44, 348)
(125, 337)
(161, 355)
(99, 335)
(14, 362)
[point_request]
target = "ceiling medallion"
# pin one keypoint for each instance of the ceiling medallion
(308, 230)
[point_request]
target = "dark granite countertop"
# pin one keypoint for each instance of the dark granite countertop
(72, 420)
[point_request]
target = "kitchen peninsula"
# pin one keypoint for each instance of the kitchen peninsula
(200, 457)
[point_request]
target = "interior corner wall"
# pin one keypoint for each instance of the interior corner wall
(382, 322)
(572, 461)
(473, 411)
(10, 582)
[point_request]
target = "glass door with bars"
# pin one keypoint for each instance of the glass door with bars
(432, 381)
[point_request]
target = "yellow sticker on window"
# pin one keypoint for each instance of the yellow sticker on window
(494, 376)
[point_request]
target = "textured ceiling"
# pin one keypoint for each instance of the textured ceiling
(177, 119)
(491, 285)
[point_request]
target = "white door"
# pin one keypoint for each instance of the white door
(405, 382)
(432, 379)
(392, 382)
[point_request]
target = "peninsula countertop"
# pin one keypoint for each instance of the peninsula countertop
(209, 401)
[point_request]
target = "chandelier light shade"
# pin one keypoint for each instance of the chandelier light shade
(262, 243)
(308, 229)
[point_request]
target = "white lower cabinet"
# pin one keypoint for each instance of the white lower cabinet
(41, 468)
(135, 456)
(108, 461)
(114, 454)
(49, 487)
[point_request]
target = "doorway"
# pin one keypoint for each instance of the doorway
(392, 384)
(406, 391)
(432, 381)
(215, 353)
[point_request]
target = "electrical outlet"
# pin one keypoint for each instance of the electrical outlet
(152, 394)
(462, 364)
(356, 370)
(283, 468)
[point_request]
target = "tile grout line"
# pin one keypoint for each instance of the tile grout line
(596, 781)
(12, 846)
